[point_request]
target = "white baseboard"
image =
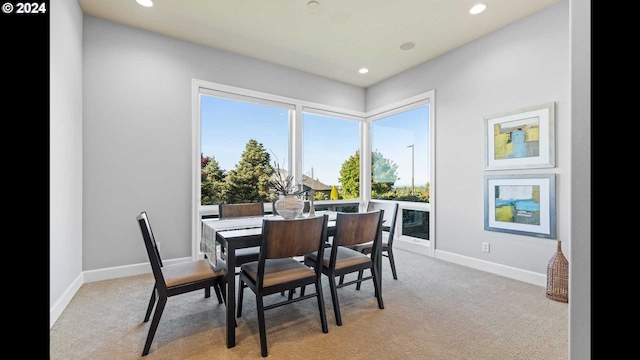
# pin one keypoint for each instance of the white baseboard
(126, 270)
(56, 310)
(99, 275)
(414, 246)
(498, 269)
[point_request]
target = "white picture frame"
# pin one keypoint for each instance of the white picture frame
(521, 204)
(521, 139)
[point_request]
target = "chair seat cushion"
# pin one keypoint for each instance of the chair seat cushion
(344, 258)
(190, 271)
(277, 271)
(366, 247)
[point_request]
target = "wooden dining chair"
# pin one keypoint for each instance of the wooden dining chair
(276, 269)
(176, 279)
(352, 229)
(388, 229)
(230, 211)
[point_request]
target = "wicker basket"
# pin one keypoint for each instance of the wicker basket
(558, 277)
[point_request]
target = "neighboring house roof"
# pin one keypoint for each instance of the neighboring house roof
(307, 181)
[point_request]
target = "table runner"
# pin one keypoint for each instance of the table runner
(211, 226)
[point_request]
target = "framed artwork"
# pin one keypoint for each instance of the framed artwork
(521, 139)
(521, 204)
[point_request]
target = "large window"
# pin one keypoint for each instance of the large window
(401, 163)
(348, 157)
(330, 154)
(400, 156)
(240, 140)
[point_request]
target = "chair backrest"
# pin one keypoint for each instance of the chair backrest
(358, 228)
(291, 238)
(152, 250)
(390, 216)
(296, 237)
(227, 211)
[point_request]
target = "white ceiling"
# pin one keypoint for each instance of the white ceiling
(334, 41)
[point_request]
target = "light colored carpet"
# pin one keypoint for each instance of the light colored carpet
(435, 310)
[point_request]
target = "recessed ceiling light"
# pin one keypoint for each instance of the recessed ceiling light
(363, 71)
(477, 9)
(313, 5)
(145, 3)
(407, 46)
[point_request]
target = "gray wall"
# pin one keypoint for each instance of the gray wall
(521, 65)
(65, 151)
(137, 132)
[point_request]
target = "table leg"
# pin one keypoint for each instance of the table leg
(231, 296)
(379, 264)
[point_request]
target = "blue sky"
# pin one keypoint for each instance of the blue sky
(391, 136)
(227, 125)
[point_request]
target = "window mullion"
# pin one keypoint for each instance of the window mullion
(365, 164)
(295, 151)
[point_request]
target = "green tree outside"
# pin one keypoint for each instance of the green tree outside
(383, 175)
(350, 177)
(319, 195)
(249, 181)
(404, 194)
(334, 193)
(212, 181)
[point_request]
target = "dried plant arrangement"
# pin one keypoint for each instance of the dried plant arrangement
(280, 184)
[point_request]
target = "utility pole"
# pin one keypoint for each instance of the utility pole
(412, 167)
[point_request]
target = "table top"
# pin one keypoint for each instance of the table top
(251, 222)
(243, 231)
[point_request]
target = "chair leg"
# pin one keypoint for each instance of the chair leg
(302, 288)
(393, 264)
(334, 298)
(342, 280)
(154, 324)
(376, 285)
(217, 289)
(360, 273)
(152, 302)
(207, 292)
(321, 308)
(261, 325)
(240, 293)
(222, 284)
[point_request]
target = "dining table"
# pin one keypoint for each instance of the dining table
(234, 234)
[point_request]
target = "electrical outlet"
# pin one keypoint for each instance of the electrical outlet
(485, 246)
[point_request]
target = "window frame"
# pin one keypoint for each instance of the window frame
(295, 153)
(339, 116)
(426, 247)
(296, 108)
(250, 99)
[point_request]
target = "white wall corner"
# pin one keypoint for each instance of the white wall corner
(56, 310)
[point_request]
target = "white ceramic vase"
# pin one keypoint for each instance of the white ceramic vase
(289, 206)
